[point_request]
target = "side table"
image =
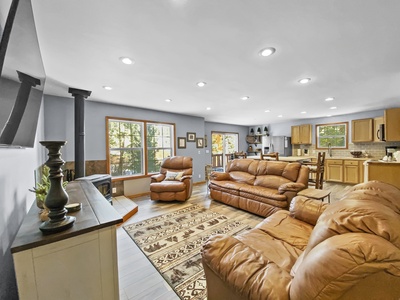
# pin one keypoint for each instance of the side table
(316, 194)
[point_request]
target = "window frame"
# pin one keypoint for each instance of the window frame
(144, 148)
(333, 146)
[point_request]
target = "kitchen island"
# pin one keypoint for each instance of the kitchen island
(388, 172)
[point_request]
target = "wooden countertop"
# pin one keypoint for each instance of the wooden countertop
(96, 213)
(347, 158)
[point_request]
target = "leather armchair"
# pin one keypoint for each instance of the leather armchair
(174, 182)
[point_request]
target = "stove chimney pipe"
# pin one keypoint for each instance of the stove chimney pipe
(80, 96)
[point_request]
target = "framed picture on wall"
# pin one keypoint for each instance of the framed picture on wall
(191, 136)
(200, 143)
(181, 143)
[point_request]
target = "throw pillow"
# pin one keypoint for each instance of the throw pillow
(171, 176)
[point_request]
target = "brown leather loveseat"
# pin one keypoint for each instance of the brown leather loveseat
(258, 186)
(346, 250)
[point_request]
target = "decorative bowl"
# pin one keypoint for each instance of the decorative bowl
(356, 153)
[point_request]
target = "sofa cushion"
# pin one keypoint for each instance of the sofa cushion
(291, 171)
(167, 186)
(227, 186)
(244, 165)
(270, 181)
(261, 192)
(240, 176)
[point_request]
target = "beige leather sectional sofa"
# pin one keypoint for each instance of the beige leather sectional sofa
(346, 250)
(258, 186)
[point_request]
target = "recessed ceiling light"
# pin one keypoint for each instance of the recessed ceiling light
(108, 88)
(267, 110)
(126, 60)
(208, 108)
(245, 98)
(303, 112)
(305, 80)
(267, 51)
(333, 107)
(280, 116)
(201, 84)
(329, 99)
(168, 100)
(329, 116)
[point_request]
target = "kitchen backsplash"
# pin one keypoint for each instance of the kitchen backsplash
(371, 150)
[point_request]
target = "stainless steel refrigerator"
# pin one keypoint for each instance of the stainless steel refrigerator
(282, 145)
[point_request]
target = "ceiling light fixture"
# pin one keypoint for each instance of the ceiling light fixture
(305, 80)
(126, 60)
(201, 84)
(108, 88)
(245, 98)
(280, 116)
(267, 51)
(168, 100)
(329, 99)
(303, 112)
(333, 107)
(208, 108)
(267, 110)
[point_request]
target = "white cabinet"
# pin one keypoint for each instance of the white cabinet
(78, 263)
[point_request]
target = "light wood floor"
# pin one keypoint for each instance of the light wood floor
(138, 279)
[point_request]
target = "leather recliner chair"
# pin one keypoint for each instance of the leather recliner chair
(174, 182)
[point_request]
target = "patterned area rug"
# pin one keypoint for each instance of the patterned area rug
(172, 243)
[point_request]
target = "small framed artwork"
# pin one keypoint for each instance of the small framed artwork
(181, 142)
(199, 143)
(191, 136)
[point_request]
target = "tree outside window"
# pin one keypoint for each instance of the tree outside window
(334, 135)
(131, 143)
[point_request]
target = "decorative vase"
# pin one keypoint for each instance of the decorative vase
(57, 197)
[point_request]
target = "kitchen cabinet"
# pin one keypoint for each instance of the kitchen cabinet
(378, 121)
(361, 130)
(334, 170)
(301, 134)
(351, 172)
(392, 124)
(384, 171)
(345, 170)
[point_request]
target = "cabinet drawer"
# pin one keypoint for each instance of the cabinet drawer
(351, 162)
(334, 161)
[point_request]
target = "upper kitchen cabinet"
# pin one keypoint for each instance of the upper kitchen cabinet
(361, 130)
(378, 122)
(301, 134)
(392, 124)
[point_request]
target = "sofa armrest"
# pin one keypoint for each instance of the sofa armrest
(219, 176)
(245, 270)
(306, 209)
(332, 268)
(186, 177)
(291, 187)
(157, 178)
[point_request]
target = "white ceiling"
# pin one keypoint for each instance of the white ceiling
(349, 48)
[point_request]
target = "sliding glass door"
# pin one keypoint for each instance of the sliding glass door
(223, 143)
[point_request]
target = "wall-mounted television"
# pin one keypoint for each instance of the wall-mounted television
(22, 77)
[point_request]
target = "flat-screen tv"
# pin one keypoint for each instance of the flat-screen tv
(22, 77)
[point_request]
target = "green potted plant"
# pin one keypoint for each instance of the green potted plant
(43, 187)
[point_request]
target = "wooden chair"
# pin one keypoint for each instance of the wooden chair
(317, 171)
(270, 156)
(217, 162)
(241, 154)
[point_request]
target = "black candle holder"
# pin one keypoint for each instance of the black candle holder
(57, 197)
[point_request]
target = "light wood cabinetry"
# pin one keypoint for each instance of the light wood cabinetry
(301, 134)
(392, 124)
(345, 170)
(377, 122)
(78, 263)
(334, 170)
(385, 172)
(361, 130)
(351, 173)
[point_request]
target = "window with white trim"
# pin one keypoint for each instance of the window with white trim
(333, 135)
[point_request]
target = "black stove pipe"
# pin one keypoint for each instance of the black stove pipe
(80, 96)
